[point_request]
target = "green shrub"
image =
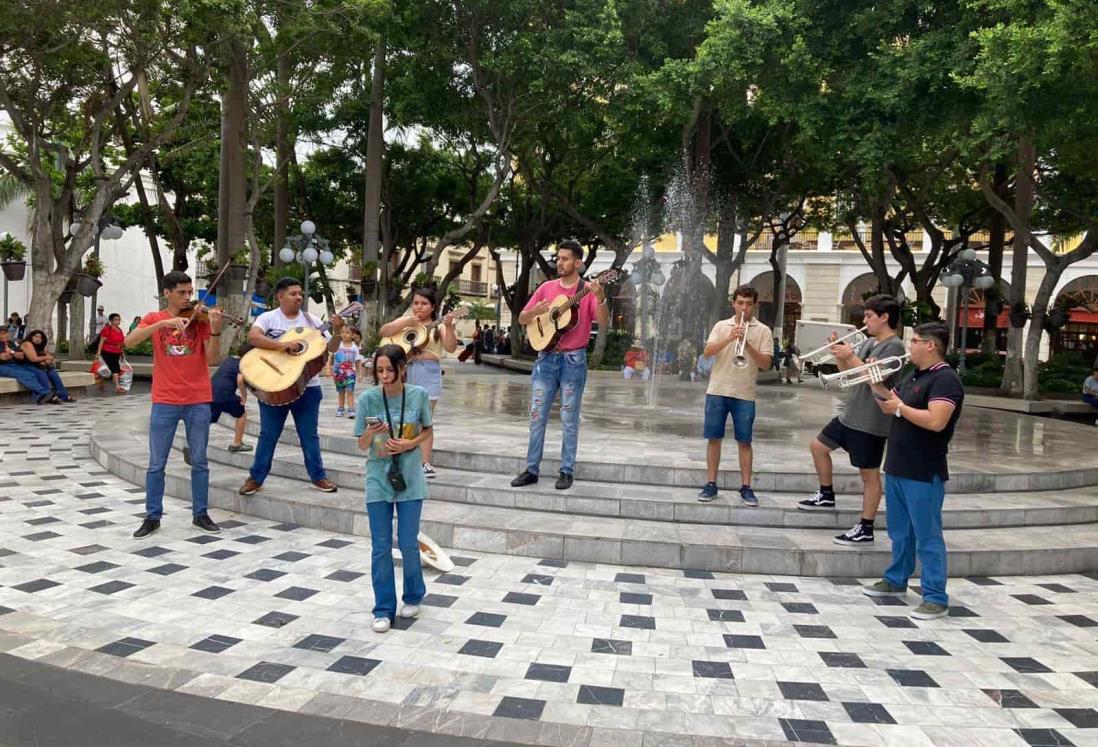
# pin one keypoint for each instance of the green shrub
(1064, 373)
(145, 349)
(617, 342)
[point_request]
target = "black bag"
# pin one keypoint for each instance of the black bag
(395, 477)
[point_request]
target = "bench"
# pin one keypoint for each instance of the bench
(77, 382)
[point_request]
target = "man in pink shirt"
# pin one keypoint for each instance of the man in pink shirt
(562, 368)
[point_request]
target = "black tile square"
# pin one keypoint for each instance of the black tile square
(611, 646)
(88, 549)
(97, 524)
(355, 665)
(802, 691)
(959, 611)
(488, 649)
(815, 631)
(734, 594)
(438, 600)
(744, 641)
(5, 610)
(275, 619)
(640, 622)
(548, 672)
(220, 554)
(97, 567)
(1025, 665)
(630, 578)
(539, 579)
(96, 510)
(344, 576)
(36, 586)
(897, 622)
(231, 524)
(265, 574)
(925, 648)
(1058, 588)
(1010, 698)
(461, 562)
(403, 623)
(781, 587)
(1080, 718)
(522, 708)
(152, 552)
(1079, 621)
(911, 678)
(296, 593)
(986, 636)
(1090, 678)
(868, 713)
(839, 660)
(888, 601)
(800, 608)
(1031, 599)
(453, 579)
(125, 647)
(486, 619)
(292, 556)
(316, 642)
(284, 527)
(334, 544)
(725, 616)
(213, 592)
(111, 587)
(167, 569)
(203, 539)
(628, 597)
(701, 575)
(1044, 738)
(514, 597)
(252, 539)
(40, 536)
(718, 670)
(215, 644)
(551, 563)
(806, 730)
(266, 671)
(42, 520)
(594, 695)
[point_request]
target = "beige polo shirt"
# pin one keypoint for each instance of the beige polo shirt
(728, 381)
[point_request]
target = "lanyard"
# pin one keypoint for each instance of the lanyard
(403, 395)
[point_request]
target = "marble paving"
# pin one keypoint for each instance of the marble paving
(518, 649)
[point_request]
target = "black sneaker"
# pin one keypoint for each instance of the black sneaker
(526, 478)
(205, 523)
(148, 527)
(187, 455)
(708, 493)
(821, 501)
(564, 481)
(856, 535)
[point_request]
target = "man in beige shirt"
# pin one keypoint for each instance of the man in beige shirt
(732, 388)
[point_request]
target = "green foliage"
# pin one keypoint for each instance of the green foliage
(144, 349)
(617, 344)
(12, 249)
(1064, 373)
(93, 266)
(481, 311)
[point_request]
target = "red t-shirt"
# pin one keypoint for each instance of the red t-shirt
(112, 339)
(579, 335)
(181, 374)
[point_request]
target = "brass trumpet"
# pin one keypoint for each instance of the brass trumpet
(739, 360)
(867, 373)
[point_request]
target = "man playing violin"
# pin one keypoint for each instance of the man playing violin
(181, 339)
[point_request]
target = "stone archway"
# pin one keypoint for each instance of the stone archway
(854, 295)
(764, 284)
(1080, 334)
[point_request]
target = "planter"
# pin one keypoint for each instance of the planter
(263, 287)
(369, 288)
(1056, 319)
(993, 309)
(237, 274)
(14, 269)
(86, 285)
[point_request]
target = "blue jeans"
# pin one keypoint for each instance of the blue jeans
(29, 376)
(915, 527)
(568, 373)
(380, 514)
(717, 410)
(1091, 400)
(53, 378)
(162, 425)
(306, 412)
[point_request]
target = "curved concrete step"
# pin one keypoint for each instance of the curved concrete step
(336, 437)
(703, 547)
(663, 503)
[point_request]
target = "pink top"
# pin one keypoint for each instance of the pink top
(578, 336)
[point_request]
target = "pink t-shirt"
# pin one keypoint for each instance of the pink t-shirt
(578, 336)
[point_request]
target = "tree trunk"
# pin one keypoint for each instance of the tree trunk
(78, 333)
(282, 153)
(232, 189)
(995, 245)
(1041, 302)
(371, 238)
(150, 230)
(1013, 377)
(62, 328)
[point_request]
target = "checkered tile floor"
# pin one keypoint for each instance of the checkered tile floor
(548, 652)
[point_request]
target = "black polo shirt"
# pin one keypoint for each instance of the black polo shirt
(918, 453)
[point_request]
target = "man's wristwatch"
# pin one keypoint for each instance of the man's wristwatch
(898, 411)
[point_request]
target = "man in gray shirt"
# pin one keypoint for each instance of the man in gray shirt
(862, 429)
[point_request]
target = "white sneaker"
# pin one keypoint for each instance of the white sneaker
(409, 611)
(428, 470)
(381, 625)
(340, 412)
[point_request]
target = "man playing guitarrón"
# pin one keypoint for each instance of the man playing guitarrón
(564, 368)
(264, 334)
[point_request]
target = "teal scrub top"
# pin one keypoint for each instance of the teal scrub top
(417, 415)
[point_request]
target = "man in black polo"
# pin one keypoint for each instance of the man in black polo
(925, 406)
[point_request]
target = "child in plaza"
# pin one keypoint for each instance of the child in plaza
(392, 421)
(731, 388)
(230, 396)
(345, 365)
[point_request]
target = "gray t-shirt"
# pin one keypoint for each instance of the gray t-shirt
(862, 412)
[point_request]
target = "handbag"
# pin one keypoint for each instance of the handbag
(125, 379)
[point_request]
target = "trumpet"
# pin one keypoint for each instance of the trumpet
(739, 360)
(868, 373)
(853, 339)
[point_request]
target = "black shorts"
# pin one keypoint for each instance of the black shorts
(866, 450)
(231, 406)
(113, 361)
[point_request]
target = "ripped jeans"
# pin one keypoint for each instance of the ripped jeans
(568, 373)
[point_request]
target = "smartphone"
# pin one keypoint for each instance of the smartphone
(371, 420)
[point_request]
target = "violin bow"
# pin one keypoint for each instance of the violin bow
(212, 287)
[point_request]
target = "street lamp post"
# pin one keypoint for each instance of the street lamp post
(306, 248)
(646, 271)
(967, 273)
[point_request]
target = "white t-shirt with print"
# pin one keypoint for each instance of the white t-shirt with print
(274, 324)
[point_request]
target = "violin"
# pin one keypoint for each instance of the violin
(196, 311)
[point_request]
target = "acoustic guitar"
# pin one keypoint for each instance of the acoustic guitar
(544, 331)
(278, 377)
(414, 338)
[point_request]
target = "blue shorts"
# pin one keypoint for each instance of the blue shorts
(717, 410)
(427, 374)
(231, 406)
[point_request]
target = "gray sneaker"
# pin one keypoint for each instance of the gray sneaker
(929, 611)
(747, 495)
(884, 589)
(239, 447)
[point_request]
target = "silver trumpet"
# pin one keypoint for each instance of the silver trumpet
(739, 360)
(853, 339)
(867, 373)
